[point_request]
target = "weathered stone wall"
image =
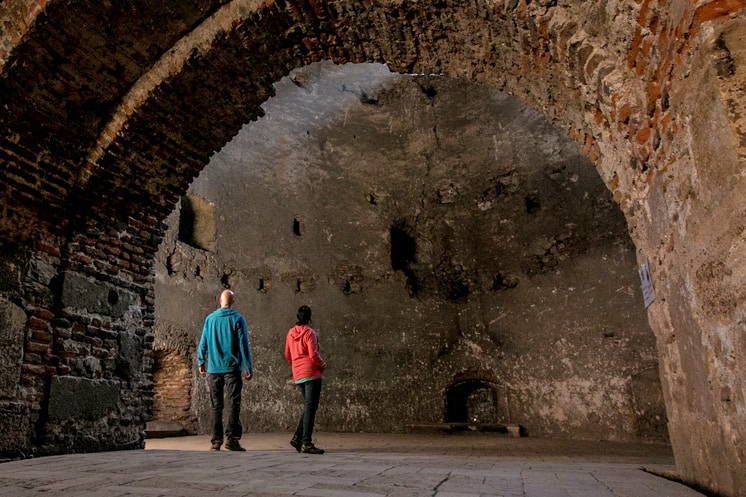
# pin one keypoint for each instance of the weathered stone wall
(109, 110)
(444, 234)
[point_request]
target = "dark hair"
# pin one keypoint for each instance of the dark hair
(304, 315)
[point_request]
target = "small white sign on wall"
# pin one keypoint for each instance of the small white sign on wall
(648, 293)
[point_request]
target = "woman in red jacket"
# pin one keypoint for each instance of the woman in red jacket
(302, 352)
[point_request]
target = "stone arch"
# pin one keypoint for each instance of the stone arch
(475, 402)
(617, 76)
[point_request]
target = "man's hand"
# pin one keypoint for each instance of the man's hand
(202, 369)
(249, 376)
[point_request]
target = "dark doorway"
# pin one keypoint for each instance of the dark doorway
(472, 402)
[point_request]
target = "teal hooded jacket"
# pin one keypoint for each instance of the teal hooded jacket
(224, 343)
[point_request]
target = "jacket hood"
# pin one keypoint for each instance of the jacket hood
(297, 331)
(225, 311)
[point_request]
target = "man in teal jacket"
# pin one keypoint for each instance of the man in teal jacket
(224, 345)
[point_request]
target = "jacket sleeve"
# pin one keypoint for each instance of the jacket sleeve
(243, 337)
(312, 342)
(202, 347)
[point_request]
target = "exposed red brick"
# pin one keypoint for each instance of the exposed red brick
(32, 357)
(624, 112)
(634, 48)
(33, 369)
(715, 9)
(41, 336)
(643, 136)
(614, 184)
(598, 116)
(591, 149)
(36, 347)
(38, 324)
(48, 249)
(83, 259)
(44, 314)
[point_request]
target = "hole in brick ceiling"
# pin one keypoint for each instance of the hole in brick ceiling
(372, 199)
(197, 222)
(113, 297)
(296, 227)
(261, 286)
(225, 281)
(298, 286)
(198, 271)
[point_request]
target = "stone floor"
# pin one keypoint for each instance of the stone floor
(357, 465)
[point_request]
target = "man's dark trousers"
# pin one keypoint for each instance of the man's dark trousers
(231, 384)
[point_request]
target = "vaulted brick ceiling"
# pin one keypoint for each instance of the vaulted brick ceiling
(110, 108)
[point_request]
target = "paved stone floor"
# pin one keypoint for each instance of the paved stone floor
(356, 465)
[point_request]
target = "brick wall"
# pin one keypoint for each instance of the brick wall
(172, 384)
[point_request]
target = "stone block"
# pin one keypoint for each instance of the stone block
(97, 297)
(129, 360)
(16, 429)
(10, 271)
(12, 323)
(73, 397)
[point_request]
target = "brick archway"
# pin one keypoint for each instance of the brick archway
(109, 110)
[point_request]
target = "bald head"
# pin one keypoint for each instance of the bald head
(226, 298)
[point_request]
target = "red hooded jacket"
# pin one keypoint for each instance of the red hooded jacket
(302, 352)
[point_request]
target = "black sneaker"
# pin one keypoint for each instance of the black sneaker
(232, 444)
(311, 449)
(215, 446)
(296, 444)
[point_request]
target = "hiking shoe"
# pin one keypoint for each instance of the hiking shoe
(311, 449)
(296, 444)
(232, 444)
(215, 446)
